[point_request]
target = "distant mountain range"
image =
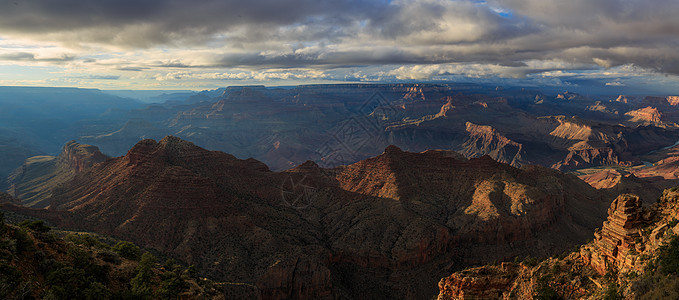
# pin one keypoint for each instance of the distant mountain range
(344, 123)
(341, 124)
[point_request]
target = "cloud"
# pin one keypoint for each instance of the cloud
(145, 23)
(175, 40)
(615, 83)
(102, 77)
(30, 57)
(132, 69)
(241, 75)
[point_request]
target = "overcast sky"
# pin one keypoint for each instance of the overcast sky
(198, 44)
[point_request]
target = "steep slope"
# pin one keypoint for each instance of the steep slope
(389, 226)
(667, 169)
(486, 140)
(647, 116)
(617, 182)
(33, 182)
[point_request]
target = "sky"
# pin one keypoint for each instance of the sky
(202, 44)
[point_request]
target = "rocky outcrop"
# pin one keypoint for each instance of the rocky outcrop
(570, 96)
(345, 123)
(485, 140)
(590, 157)
(12, 155)
(618, 236)
(647, 115)
(628, 250)
(618, 181)
(79, 157)
(7, 198)
(33, 182)
(622, 98)
(667, 168)
(478, 283)
(673, 100)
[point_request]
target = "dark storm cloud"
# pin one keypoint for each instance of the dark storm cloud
(261, 34)
(30, 57)
(132, 69)
(607, 32)
(144, 23)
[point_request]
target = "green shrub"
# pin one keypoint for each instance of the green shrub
(143, 281)
(38, 226)
(612, 293)
(530, 261)
(109, 257)
(127, 250)
(3, 227)
(67, 283)
(544, 291)
(97, 291)
(668, 259)
(87, 240)
(171, 286)
(10, 278)
(79, 257)
(23, 240)
(191, 271)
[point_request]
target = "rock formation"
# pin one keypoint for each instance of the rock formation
(667, 168)
(485, 140)
(618, 235)
(627, 259)
(33, 182)
(617, 182)
(647, 115)
(79, 157)
(589, 157)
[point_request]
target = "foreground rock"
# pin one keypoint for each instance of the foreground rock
(632, 257)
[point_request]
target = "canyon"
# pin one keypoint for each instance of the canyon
(357, 191)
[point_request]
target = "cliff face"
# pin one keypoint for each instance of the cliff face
(79, 157)
(477, 283)
(618, 236)
(648, 115)
(667, 168)
(590, 157)
(617, 182)
(389, 225)
(33, 182)
(485, 140)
